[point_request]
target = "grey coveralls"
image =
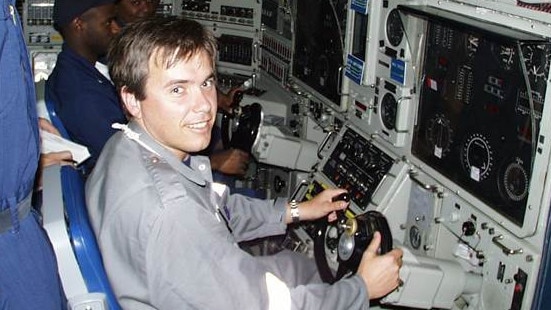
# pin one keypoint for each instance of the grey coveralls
(168, 238)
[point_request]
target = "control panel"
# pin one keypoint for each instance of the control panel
(445, 135)
(237, 27)
(38, 23)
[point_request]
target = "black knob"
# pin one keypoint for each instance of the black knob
(279, 184)
(468, 228)
(342, 197)
(295, 108)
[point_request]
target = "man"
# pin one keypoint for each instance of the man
(28, 267)
(129, 11)
(84, 99)
(225, 163)
(167, 233)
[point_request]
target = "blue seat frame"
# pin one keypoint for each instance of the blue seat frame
(82, 236)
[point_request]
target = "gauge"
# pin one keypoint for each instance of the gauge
(389, 108)
(477, 157)
(514, 183)
(537, 62)
(439, 135)
(394, 28)
(505, 56)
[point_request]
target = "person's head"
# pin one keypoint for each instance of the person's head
(87, 26)
(164, 70)
(130, 11)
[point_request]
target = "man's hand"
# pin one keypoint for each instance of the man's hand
(62, 158)
(225, 100)
(232, 162)
(380, 272)
(320, 206)
(45, 125)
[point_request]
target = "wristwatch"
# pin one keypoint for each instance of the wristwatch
(295, 214)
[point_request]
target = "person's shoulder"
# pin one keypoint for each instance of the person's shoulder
(121, 155)
(67, 74)
(119, 150)
(120, 165)
(130, 169)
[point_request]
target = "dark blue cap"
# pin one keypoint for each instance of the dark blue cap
(66, 10)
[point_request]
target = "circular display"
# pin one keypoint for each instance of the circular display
(439, 135)
(394, 28)
(537, 62)
(504, 55)
(477, 157)
(507, 57)
(389, 109)
(515, 182)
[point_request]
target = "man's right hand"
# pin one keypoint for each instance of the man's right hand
(225, 101)
(380, 272)
(231, 161)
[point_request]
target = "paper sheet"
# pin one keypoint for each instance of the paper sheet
(55, 143)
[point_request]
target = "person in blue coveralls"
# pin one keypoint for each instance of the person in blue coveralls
(168, 234)
(28, 269)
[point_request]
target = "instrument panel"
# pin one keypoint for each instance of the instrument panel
(448, 141)
(476, 124)
(357, 166)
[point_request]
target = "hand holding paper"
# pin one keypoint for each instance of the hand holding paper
(55, 143)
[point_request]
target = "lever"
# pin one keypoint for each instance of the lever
(342, 197)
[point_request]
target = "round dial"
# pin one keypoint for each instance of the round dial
(537, 62)
(505, 55)
(439, 135)
(394, 28)
(515, 182)
(477, 157)
(389, 108)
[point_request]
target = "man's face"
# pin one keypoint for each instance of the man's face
(130, 11)
(100, 28)
(180, 106)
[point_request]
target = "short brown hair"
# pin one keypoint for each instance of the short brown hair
(170, 39)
